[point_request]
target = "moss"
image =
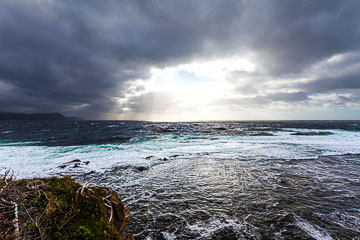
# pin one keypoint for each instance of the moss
(97, 213)
(83, 233)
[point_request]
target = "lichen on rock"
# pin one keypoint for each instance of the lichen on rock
(59, 208)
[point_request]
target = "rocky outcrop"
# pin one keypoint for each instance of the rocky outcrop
(60, 208)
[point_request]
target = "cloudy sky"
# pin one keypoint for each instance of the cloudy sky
(181, 60)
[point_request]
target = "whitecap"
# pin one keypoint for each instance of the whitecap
(313, 230)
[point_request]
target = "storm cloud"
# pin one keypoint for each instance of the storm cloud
(92, 58)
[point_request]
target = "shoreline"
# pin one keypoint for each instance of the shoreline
(60, 208)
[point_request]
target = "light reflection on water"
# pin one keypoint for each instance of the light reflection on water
(210, 198)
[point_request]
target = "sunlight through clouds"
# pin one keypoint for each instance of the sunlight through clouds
(180, 60)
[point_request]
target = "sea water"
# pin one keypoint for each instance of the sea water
(206, 180)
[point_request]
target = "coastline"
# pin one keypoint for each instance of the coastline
(60, 208)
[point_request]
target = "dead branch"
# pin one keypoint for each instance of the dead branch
(35, 222)
(16, 219)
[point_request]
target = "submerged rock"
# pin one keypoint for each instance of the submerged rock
(220, 128)
(133, 168)
(60, 208)
(312, 133)
(260, 134)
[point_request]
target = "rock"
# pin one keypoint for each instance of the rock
(220, 128)
(174, 156)
(312, 133)
(165, 159)
(214, 138)
(76, 165)
(147, 158)
(133, 168)
(65, 209)
(120, 168)
(141, 168)
(260, 134)
(75, 161)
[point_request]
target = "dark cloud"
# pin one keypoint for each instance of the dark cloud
(262, 100)
(75, 56)
(292, 35)
(336, 83)
(288, 97)
(80, 57)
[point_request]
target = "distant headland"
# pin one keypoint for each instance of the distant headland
(8, 116)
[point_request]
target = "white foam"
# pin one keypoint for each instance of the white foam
(41, 160)
(168, 236)
(206, 229)
(6, 132)
(314, 231)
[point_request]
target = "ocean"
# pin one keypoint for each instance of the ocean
(206, 180)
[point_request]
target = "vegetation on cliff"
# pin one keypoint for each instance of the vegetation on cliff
(59, 208)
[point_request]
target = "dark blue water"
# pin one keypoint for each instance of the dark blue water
(69, 133)
(206, 180)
